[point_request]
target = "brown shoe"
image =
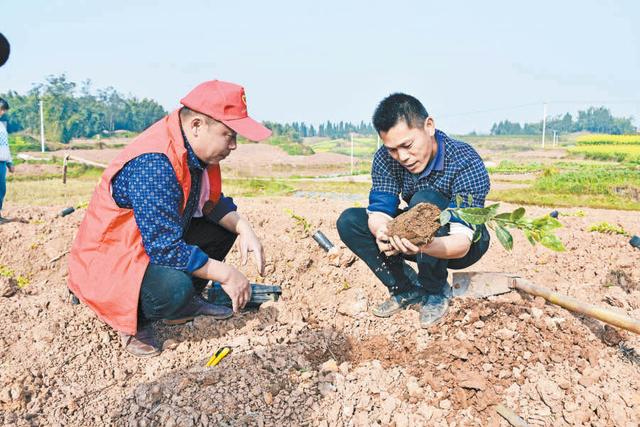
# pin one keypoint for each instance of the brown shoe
(142, 344)
(199, 307)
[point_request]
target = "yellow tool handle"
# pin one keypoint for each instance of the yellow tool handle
(608, 316)
(218, 356)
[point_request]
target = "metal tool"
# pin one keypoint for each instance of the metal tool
(482, 285)
(322, 240)
(259, 295)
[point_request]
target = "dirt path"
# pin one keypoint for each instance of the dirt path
(318, 357)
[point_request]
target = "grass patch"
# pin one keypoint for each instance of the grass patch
(606, 139)
(9, 273)
(256, 187)
(74, 170)
(284, 187)
(596, 181)
(620, 153)
(543, 198)
(21, 142)
(363, 147)
(290, 147)
(606, 228)
(591, 187)
(51, 192)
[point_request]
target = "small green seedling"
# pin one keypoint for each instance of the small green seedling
(301, 221)
(606, 228)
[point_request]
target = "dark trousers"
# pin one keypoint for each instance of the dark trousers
(165, 291)
(393, 271)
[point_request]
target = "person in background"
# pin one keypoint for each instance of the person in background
(5, 156)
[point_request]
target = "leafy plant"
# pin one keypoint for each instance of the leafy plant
(537, 230)
(606, 228)
(301, 221)
(10, 274)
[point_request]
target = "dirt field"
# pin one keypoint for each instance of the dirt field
(248, 160)
(318, 357)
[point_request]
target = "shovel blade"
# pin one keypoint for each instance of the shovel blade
(481, 284)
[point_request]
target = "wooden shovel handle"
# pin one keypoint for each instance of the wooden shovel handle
(608, 316)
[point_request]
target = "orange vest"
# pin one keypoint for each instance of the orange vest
(107, 260)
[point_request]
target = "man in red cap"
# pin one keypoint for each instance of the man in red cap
(158, 227)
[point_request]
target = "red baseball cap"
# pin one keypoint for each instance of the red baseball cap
(227, 103)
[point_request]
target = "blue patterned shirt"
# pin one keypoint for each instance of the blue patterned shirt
(457, 169)
(148, 185)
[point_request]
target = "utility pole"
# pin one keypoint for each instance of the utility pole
(544, 123)
(41, 127)
(351, 153)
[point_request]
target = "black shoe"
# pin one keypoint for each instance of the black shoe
(397, 302)
(433, 309)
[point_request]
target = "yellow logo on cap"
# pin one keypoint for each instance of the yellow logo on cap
(244, 99)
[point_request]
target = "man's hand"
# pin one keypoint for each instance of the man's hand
(384, 242)
(237, 286)
(249, 242)
(233, 282)
(404, 246)
(11, 168)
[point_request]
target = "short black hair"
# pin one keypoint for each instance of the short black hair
(396, 107)
(4, 105)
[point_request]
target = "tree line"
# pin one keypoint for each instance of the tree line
(593, 119)
(298, 130)
(74, 111)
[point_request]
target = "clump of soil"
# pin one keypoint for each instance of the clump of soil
(418, 225)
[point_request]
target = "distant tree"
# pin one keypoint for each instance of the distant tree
(68, 114)
(593, 119)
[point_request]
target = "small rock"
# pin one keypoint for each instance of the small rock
(539, 302)
(329, 366)
(170, 344)
(445, 404)
(611, 336)
(401, 419)
(472, 380)
(414, 389)
(505, 334)
(536, 313)
(8, 287)
(268, 397)
(550, 393)
(353, 301)
(426, 411)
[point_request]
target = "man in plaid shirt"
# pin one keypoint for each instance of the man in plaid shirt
(421, 164)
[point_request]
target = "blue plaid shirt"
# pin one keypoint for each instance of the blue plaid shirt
(457, 169)
(148, 185)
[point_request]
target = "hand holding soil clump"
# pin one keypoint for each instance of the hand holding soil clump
(418, 225)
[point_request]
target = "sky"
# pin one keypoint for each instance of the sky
(470, 63)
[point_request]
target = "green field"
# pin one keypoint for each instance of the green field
(621, 153)
(605, 139)
(363, 147)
